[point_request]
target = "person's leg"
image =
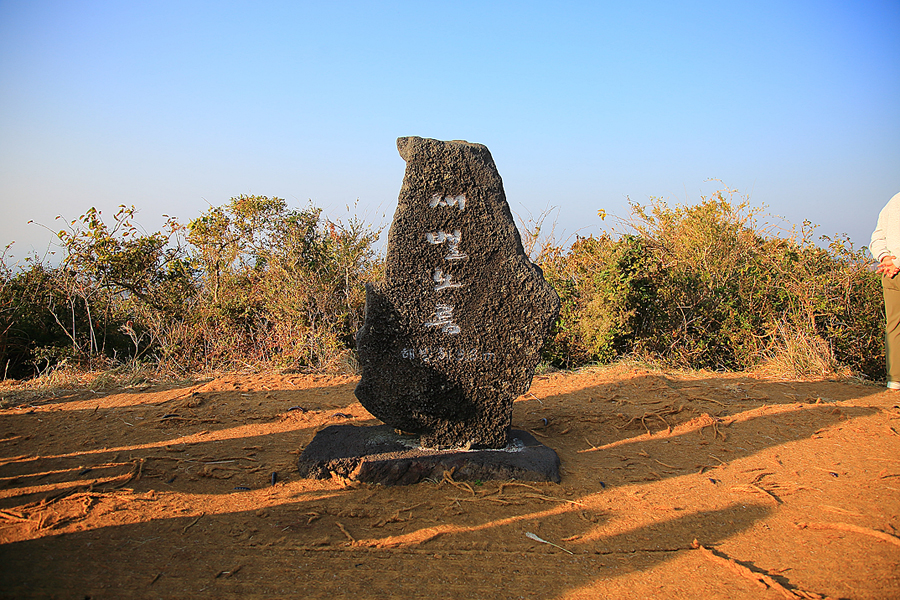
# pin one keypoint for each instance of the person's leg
(892, 329)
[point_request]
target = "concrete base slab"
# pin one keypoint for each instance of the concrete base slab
(380, 455)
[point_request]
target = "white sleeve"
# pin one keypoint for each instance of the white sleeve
(878, 245)
(886, 237)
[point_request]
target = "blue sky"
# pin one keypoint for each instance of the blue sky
(176, 106)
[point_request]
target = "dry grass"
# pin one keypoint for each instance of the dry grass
(798, 355)
(66, 378)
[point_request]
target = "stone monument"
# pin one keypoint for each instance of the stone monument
(453, 335)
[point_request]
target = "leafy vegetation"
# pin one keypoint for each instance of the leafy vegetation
(709, 286)
(248, 283)
(254, 283)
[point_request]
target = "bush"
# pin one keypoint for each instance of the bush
(707, 286)
(30, 338)
(255, 283)
(280, 285)
(249, 282)
(606, 294)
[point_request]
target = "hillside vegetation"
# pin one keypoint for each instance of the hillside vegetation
(256, 284)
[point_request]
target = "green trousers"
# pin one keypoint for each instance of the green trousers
(892, 327)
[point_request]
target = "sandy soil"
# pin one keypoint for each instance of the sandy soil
(675, 485)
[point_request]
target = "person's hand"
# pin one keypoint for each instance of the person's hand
(888, 267)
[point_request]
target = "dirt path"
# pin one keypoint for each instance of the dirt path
(792, 490)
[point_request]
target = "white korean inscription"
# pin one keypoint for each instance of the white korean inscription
(427, 355)
(443, 280)
(457, 201)
(451, 239)
(443, 318)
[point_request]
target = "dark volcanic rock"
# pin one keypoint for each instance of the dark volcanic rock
(454, 334)
(380, 455)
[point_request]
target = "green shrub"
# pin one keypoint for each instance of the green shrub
(606, 295)
(254, 282)
(287, 285)
(247, 283)
(708, 286)
(30, 337)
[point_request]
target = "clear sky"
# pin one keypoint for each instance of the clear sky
(174, 106)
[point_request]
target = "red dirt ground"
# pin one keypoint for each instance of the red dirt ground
(675, 485)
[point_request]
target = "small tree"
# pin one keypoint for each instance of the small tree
(281, 284)
(121, 276)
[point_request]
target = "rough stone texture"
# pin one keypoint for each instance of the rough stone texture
(380, 455)
(454, 334)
